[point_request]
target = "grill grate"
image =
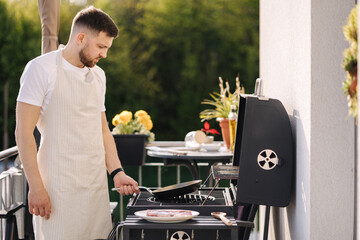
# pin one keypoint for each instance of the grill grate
(187, 198)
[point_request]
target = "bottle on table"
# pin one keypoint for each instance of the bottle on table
(232, 126)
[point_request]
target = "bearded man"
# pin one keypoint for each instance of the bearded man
(63, 94)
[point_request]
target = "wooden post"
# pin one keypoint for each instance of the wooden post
(5, 126)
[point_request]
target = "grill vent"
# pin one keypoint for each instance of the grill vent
(180, 235)
(267, 159)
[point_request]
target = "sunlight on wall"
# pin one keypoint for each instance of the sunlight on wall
(78, 2)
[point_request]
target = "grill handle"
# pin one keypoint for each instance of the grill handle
(259, 87)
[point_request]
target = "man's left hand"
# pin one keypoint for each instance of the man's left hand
(126, 184)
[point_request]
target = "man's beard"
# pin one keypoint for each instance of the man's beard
(85, 59)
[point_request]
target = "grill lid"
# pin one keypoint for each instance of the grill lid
(264, 152)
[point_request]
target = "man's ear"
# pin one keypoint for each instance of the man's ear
(81, 38)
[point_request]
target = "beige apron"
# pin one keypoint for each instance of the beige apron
(71, 160)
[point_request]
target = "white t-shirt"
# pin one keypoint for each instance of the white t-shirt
(38, 79)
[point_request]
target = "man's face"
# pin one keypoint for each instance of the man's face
(95, 48)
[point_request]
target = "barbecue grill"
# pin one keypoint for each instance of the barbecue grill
(221, 199)
(260, 174)
(204, 227)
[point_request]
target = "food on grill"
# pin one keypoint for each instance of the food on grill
(168, 213)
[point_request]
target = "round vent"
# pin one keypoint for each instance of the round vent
(267, 159)
(180, 235)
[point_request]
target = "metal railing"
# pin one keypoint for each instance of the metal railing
(7, 153)
(12, 198)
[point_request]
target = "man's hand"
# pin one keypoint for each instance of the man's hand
(39, 203)
(27, 116)
(126, 184)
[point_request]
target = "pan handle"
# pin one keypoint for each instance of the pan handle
(140, 187)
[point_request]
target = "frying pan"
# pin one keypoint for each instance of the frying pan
(177, 189)
(173, 190)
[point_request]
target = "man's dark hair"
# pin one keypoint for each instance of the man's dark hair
(97, 20)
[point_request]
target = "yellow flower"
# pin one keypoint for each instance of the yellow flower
(125, 117)
(140, 113)
(143, 118)
(141, 124)
(146, 121)
(148, 124)
(116, 120)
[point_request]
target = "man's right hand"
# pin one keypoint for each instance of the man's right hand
(27, 116)
(39, 203)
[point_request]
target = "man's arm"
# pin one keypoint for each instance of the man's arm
(126, 184)
(27, 116)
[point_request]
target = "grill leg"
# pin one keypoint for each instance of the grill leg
(266, 225)
(11, 229)
(245, 233)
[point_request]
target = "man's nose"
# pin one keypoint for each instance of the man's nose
(103, 54)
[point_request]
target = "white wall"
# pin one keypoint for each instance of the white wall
(301, 45)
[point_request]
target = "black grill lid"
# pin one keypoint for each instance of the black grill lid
(264, 152)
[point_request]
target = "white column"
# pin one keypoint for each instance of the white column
(301, 46)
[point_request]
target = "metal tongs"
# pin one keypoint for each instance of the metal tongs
(207, 197)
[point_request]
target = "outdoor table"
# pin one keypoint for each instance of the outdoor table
(175, 153)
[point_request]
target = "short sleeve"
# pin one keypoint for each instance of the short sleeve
(33, 84)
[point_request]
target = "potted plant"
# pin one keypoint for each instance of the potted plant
(350, 62)
(222, 102)
(131, 135)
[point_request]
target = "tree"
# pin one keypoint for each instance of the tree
(19, 42)
(6, 33)
(171, 53)
(166, 60)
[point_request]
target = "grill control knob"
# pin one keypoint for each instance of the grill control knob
(267, 159)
